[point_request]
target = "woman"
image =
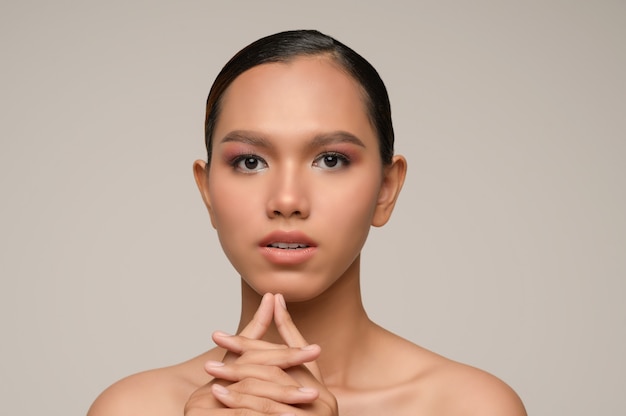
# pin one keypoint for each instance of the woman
(300, 165)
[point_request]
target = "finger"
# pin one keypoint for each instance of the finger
(287, 329)
(259, 324)
(287, 394)
(261, 320)
(202, 399)
(281, 357)
(262, 397)
(238, 344)
(290, 333)
(237, 372)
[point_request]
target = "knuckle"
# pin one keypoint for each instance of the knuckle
(245, 385)
(267, 406)
(245, 358)
(235, 399)
(275, 373)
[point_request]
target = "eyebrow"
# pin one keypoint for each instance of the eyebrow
(335, 137)
(320, 140)
(247, 137)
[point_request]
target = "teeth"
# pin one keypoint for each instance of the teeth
(288, 246)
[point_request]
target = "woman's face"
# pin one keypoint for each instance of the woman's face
(295, 180)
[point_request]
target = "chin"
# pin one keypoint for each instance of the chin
(292, 285)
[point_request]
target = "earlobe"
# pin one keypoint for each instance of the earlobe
(393, 179)
(202, 181)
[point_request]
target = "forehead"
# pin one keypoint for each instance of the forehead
(305, 94)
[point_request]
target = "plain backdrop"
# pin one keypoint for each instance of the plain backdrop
(507, 250)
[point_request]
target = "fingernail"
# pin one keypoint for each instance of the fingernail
(307, 390)
(221, 334)
(214, 364)
(219, 389)
(281, 299)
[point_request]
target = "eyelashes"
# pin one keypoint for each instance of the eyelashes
(331, 161)
(250, 163)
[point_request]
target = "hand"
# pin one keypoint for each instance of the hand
(202, 399)
(272, 378)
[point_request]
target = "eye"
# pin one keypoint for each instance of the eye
(249, 163)
(331, 161)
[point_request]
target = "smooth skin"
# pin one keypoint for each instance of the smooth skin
(294, 151)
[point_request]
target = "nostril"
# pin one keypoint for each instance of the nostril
(278, 213)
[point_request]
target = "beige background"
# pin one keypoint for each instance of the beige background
(507, 250)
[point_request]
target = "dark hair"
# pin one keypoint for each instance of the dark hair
(285, 46)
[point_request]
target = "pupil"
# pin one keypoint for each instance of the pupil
(251, 163)
(331, 161)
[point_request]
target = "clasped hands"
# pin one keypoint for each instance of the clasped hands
(258, 377)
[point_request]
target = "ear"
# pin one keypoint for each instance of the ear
(393, 179)
(201, 174)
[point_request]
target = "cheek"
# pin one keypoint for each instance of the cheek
(232, 207)
(351, 204)
(235, 216)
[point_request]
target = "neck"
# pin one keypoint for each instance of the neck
(335, 320)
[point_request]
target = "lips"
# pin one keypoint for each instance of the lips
(287, 240)
(287, 248)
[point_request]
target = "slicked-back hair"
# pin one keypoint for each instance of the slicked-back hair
(286, 46)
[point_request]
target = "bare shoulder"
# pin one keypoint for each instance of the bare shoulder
(157, 392)
(153, 392)
(466, 390)
(426, 383)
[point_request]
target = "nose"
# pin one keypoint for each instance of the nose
(288, 196)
